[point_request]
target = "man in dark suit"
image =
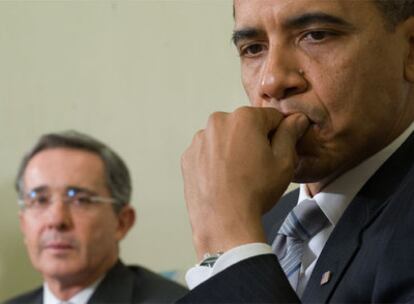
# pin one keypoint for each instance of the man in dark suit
(74, 194)
(332, 89)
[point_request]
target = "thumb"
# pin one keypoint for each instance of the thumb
(290, 130)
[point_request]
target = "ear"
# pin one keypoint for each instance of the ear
(408, 26)
(126, 219)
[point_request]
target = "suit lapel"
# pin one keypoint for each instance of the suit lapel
(275, 217)
(116, 287)
(340, 248)
(345, 240)
(38, 299)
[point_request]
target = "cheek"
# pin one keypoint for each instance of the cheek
(356, 103)
(30, 231)
(251, 79)
(32, 245)
(362, 85)
(337, 91)
(96, 235)
(31, 238)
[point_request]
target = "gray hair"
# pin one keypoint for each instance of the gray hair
(117, 175)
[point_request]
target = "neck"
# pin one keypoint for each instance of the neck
(318, 186)
(315, 188)
(64, 287)
(62, 292)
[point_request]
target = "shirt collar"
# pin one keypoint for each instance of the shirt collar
(335, 198)
(81, 297)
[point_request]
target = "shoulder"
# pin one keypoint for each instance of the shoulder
(156, 286)
(33, 296)
(136, 284)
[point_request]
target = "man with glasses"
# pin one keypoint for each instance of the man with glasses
(74, 195)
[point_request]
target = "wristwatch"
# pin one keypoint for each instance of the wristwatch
(209, 259)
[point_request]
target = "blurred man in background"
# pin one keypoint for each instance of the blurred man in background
(74, 195)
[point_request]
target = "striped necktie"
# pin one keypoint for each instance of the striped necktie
(301, 224)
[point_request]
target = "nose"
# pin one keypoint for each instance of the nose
(281, 76)
(58, 215)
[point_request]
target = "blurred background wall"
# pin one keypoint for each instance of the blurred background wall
(142, 76)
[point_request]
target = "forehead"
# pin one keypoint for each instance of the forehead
(267, 13)
(63, 167)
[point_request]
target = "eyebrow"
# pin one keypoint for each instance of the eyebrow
(67, 188)
(80, 190)
(244, 34)
(300, 21)
(37, 189)
(317, 17)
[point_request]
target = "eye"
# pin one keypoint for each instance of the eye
(41, 199)
(317, 36)
(251, 50)
(78, 197)
(38, 200)
(83, 200)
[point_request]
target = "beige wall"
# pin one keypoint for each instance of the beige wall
(140, 75)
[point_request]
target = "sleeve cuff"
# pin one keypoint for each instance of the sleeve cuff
(198, 274)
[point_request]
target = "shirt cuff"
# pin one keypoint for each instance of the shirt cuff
(198, 274)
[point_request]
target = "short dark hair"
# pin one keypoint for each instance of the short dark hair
(118, 179)
(396, 11)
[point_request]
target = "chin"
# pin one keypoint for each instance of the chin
(308, 169)
(313, 169)
(306, 173)
(59, 268)
(315, 163)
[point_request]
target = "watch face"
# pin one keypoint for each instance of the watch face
(210, 259)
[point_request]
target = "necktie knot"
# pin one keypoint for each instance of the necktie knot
(304, 221)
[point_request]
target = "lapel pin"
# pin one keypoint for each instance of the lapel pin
(325, 278)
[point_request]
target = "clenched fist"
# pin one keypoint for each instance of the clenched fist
(235, 170)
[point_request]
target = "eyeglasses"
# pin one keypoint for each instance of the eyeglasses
(40, 199)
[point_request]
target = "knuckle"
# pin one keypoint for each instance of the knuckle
(244, 111)
(245, 114)
(197, 138)
(288, 164)
(216, 118)
(196, 142)
(183, 161)
(184, 157)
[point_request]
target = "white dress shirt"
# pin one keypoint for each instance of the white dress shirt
(333, 201)
(81, 297)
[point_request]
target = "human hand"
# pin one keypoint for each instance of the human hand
(234, 171)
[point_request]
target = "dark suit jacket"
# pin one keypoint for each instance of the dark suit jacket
(123, 284)
(370, 253)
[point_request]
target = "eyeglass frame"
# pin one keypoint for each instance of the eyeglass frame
(69, 200)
